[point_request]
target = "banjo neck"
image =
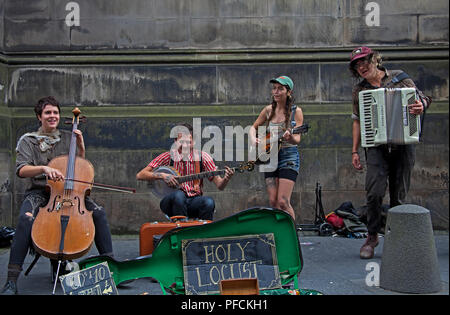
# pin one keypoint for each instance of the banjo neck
(186, 178)
(161, 189)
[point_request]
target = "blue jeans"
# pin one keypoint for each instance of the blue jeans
(288, 164)
(177, 203)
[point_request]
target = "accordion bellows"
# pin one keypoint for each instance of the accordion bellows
(385, 118)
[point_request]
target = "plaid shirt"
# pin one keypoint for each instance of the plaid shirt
(185, 168)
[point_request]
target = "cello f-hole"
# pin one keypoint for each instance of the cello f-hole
(79, 206)
(58, 205)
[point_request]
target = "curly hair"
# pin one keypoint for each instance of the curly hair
(375, 57)
(48, 100)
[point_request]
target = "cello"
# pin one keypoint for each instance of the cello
(64, 228)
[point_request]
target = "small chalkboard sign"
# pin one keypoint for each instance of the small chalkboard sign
(95, 280)
(208, 261)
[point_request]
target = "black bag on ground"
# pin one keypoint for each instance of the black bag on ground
(6, 236)
(351, 219)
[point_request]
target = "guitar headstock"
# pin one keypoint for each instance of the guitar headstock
(248, 166)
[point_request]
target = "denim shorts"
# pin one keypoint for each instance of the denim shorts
(288, 164)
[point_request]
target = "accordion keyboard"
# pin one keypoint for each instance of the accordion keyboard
(369, 106)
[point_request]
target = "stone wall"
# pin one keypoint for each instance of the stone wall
(41, 25)
(136, 68)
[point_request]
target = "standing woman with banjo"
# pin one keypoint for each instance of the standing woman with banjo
(283, 115)
(35, 151)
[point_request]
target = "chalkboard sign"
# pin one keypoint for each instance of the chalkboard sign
(208, 261)
(95, 280)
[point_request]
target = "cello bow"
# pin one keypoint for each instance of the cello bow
(97, 185)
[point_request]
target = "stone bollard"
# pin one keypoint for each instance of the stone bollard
(409, 262)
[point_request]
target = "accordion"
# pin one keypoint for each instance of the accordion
(385, 118)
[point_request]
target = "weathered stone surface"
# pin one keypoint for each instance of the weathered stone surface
(430, 30)
(200, 84)
(114, 85)
(172, 24)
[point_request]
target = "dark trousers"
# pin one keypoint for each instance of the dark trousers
(391, 164)
(177, 203)
(36, 199)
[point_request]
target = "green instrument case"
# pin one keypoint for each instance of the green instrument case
(166, 262)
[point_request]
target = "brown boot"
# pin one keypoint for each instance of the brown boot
(367, 250)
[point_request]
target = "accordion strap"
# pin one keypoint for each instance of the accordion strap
(399, 77)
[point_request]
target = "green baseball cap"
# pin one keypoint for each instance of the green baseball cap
(284, 80)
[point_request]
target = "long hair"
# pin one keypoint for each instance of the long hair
(287, 109)
(375, 57)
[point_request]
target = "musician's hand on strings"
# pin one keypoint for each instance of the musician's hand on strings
(416, 108)
(287, 136)
(53, 173)
(356, 162)
(170, 180)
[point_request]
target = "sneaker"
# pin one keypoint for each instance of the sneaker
(10, 288)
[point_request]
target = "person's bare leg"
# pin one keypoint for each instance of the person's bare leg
(285, 188)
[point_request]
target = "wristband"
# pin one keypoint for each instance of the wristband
(356, 152)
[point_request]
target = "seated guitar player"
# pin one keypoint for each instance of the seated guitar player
(188, 199)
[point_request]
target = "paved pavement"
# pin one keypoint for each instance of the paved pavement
(331, 265)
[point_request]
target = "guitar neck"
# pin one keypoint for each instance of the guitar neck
(298, 130)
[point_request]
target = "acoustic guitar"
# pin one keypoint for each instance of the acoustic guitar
(269, 141)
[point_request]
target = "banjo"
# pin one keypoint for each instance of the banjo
(160, 189)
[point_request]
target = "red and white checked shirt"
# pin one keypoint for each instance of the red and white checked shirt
(186, 168)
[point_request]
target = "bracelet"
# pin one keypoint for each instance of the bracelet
(356, 152)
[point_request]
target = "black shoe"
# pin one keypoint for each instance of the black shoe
(10, 288)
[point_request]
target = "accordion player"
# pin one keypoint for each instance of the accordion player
(385, 118)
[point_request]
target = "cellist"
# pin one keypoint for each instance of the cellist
(34, 151)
